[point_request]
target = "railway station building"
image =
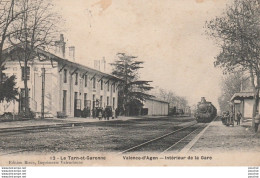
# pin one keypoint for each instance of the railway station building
(69, 87)
(244, 102)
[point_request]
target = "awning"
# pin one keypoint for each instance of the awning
(242, 95)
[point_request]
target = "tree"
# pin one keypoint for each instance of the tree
(7, 91)
(230, 85)
(36, 29)
(237, 33)
(9, 14)
(132, 92)
(172, 98)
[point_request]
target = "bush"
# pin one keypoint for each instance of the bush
(30, 115)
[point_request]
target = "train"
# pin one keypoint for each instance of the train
(206, 111)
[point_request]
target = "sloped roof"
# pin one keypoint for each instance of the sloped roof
(58, 59)
(156, 99)
(242, 95)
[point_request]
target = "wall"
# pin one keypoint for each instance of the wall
(35, 86)
(71, 88)
(54, 86)
(156, 107)
(248, 108)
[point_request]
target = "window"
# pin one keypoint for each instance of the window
(27, 73)
(101, 84)
(94, 102)
(101, 101)
(108, 101)
(114, 88)
(86, 80)
(22, 99)
(85, 100)
(64, 101)
(77, 103)
(65, 76)
(113, 102)
(108, 86)
(94, 82)
(75, 95)
(76, 78)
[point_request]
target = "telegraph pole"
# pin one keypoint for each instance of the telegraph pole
(43, 92)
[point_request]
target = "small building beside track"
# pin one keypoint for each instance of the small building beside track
(156, 107)
(244, 102)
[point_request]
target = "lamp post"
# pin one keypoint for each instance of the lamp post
(43, 92)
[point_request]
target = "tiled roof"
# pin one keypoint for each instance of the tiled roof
(56, 58)
(156, 99)
(242, 95)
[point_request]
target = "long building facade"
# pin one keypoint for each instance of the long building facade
(65, 86)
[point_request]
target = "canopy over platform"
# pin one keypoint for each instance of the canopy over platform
(242, 95)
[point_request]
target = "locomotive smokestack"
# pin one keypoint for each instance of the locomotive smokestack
(203, 100)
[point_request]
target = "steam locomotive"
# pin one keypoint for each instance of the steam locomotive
(206, 111)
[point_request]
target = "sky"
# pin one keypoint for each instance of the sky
(168, 35)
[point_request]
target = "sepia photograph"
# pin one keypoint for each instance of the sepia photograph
(129, 82)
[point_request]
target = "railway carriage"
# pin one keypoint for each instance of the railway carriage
(206, 111)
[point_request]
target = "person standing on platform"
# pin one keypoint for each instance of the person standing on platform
(239, 116)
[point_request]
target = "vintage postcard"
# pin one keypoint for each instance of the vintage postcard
(129, 82)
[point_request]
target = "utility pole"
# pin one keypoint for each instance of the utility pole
(43, 92)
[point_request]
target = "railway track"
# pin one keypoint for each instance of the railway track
(171, 142)
(31, 130)
(34, 130)
(38, 147)
(54, 144)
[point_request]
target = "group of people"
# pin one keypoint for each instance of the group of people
(105, 113)
(228, 118)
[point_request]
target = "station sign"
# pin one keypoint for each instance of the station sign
(237, 101)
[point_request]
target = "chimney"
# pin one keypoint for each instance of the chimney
(97, 64)
(72, 53)
(103, 64)
(60, 46)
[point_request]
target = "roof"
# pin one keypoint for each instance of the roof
(64, 61)
(156, 99)
(242, 95)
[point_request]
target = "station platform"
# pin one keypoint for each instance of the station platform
(220, 138)
(52, 122)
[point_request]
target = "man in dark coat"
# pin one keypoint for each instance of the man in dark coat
(239, 116)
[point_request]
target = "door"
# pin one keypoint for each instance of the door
(22, 99)
(77, 105)
(64, 102)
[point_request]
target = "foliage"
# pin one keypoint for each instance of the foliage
(30, 115)
(9, 13)
(174, 100)
(7, 89)
(237, 33)
(35, 29)
(132, 92)
(233, 83)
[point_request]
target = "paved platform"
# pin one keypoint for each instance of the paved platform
(64, 121)
(220, 138)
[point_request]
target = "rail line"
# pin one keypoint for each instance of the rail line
(34, 130)
(39, 147)
(184, 139)
(149, 142)
(75, 140)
